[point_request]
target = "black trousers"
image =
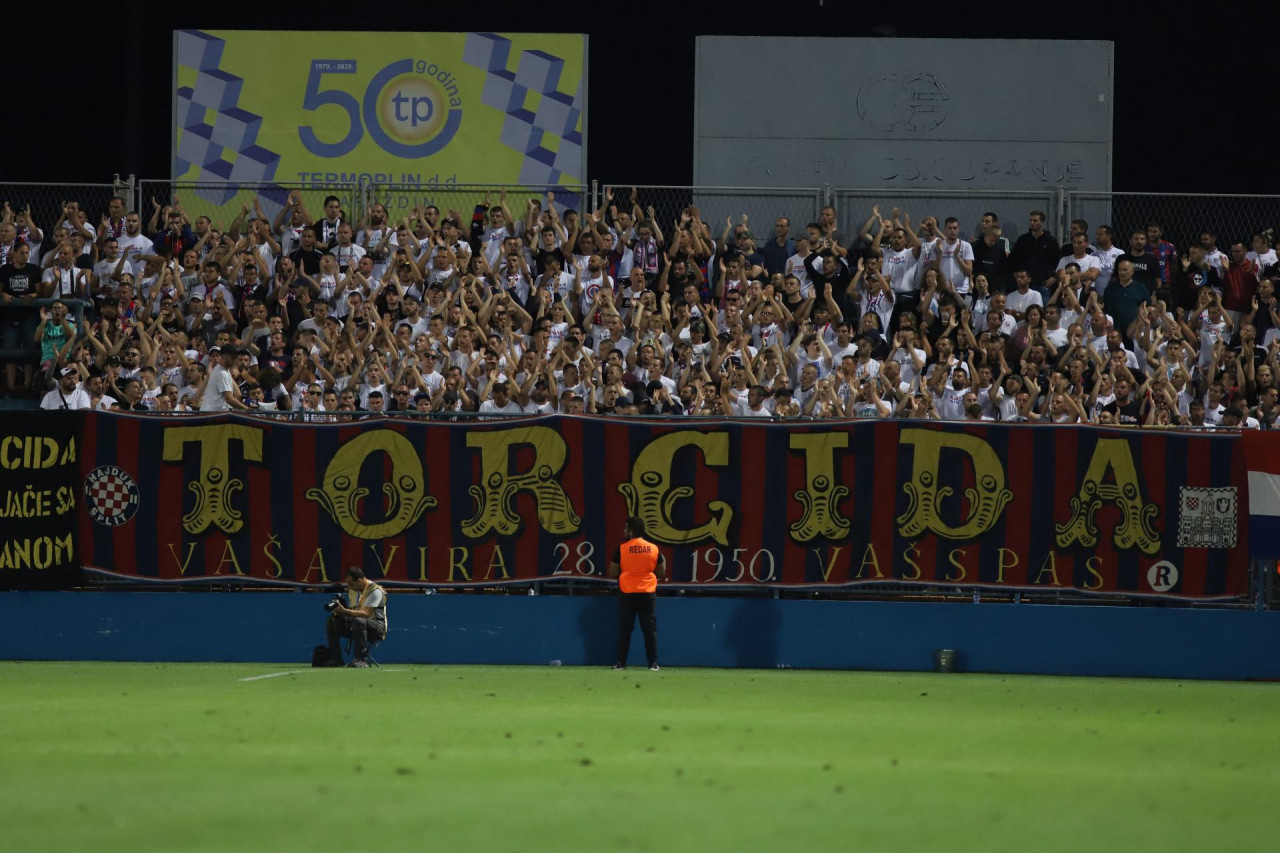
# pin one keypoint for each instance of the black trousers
(643, 605)
(359, 629)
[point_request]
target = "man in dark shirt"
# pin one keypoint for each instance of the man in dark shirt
(1126, 408)
(1124, 296)
(1037, 252)
(1146, 268)
(307, 256)
(781, 247)
(19, 282)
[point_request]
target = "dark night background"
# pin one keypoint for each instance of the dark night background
(1197, 105)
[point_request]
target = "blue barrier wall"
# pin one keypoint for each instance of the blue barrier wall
(716, 632)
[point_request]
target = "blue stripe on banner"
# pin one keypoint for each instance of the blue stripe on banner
(415, 558)
(1128, 568)
(328, 531)
(104, 537)
(990, 542)
(1042, 538)
(594, 500)
(776, 535)
(459, 504)
(282, 508)
(869, 491)
(191, 544)
(146, 541)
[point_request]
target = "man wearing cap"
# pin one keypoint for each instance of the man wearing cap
(66, 394)
(220, 388)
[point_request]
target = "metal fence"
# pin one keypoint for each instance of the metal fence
(1012, 207)
(48, 201)
(222, 202)
(400, 199)
(1183, 217)
(761, 205)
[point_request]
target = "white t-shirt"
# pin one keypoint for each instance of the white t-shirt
(1088, 262)
(900, 269)
(219, 382)
(77, 399)
(950, 253)
(134, 246)
(1020, 302)
(348, 256)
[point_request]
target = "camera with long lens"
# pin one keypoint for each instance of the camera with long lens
(334, 603)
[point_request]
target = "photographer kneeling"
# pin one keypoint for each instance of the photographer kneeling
(364, 621)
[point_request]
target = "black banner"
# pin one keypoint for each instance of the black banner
(39, 477)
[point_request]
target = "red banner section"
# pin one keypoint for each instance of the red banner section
(739, 504)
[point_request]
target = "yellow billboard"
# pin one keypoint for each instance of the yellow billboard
(315, 109)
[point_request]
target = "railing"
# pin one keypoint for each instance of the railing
(47, 201)
(1183, 216)
(1012, 207)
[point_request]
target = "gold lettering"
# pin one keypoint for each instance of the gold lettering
(651, 496)
(183, 563)
(391, 558)
(405, 494)
(266, 552)
(821, 496)
(214, 489)
(1138, 517)
(422, 562)
(826, 570)
(499, 484)
(35, 452)
(955, 561)
(317, 564)
(1091, 566)
(1050, 565)
(458, 556)
(869, 558)
(39, 553)
(228, 556)
(500, 561)
(924, 512)
(906, 558)
(1001, 565)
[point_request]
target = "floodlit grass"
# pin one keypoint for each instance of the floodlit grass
(164, 757)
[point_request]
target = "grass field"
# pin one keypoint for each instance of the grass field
(141, 757)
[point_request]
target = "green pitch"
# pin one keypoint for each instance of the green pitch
(133, 757)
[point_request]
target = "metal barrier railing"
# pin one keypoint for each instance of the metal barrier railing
(1183, 216)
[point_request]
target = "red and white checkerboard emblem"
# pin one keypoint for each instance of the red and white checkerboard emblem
(110, 495)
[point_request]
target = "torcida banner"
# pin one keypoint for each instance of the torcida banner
(326, 108)
(39, 500)
(454, 504)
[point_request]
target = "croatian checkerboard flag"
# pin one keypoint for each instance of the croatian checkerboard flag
(1262, 457)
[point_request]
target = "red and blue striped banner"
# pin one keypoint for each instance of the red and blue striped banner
(739, 504)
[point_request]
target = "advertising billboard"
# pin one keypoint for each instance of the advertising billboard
(312, 109)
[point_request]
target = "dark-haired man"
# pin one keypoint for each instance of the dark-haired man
(364, 620)
(637, 564)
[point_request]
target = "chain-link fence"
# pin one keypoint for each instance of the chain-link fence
(47, 202)
(1182, 217)
(761, 205)
(1012, 207)
(222, 202)
(400, 200)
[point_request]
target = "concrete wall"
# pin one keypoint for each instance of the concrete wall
(906, 113)
(714, 632)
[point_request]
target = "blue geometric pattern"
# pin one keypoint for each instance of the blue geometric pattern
(525, 131)
(213, 125)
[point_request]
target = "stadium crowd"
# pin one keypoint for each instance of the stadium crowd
(540, 310)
